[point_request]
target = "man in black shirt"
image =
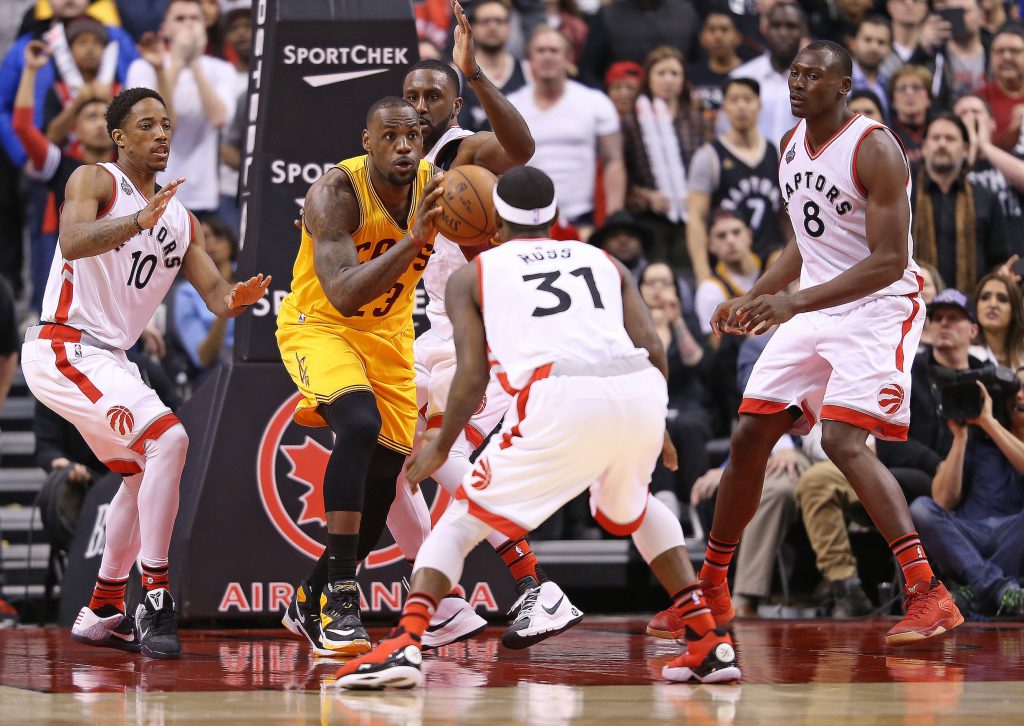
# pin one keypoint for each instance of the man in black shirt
(958, 226)
(720, 39)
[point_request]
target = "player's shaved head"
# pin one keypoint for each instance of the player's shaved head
(436, 66)
(838, 58)
(387, 103)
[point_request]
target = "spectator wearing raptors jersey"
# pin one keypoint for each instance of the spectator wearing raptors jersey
(738, 172)
(121, 244)
(845, 341)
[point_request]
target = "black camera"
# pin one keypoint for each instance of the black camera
(961, 400)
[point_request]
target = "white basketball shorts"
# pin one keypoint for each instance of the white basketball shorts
(563, 435)
(99, 391)
(852, 367)
(435, 369)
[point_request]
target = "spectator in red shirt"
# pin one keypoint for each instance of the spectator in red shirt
(1005, 93)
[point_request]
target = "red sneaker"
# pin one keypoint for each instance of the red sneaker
(669, 624)
(394, 662)
(709, 658)
(930, 611)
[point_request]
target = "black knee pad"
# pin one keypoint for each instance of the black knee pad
(355, 421)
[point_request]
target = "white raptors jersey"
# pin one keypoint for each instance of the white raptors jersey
(545, 301)
(827, 207)
(447, 256)
(113, 296)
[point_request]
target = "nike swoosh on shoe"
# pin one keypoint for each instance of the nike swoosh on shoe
(554, 609)
(126, 637)
(432, 628)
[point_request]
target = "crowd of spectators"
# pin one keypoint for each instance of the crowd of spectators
(659, 122)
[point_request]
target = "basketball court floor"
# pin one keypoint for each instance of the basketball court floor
(605, 671)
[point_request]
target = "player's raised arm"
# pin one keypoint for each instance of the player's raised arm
(331, 214)
(90, 189)
(511, 144)
(471, 373)
(222, 298)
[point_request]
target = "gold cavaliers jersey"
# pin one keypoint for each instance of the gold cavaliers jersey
(377, 232)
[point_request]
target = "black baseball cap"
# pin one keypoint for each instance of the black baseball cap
(952, 298)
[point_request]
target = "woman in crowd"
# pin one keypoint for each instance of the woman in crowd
(932, 285)
(660, 138)
(867, 104)
(910, 98)
(1000, 318)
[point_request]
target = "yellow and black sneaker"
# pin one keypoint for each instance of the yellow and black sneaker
(342, 630)
(302, 617)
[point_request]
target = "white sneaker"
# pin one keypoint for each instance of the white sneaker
(112, 629)
(454, 620)
(544, 610)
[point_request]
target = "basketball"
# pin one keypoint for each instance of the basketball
(467, 211)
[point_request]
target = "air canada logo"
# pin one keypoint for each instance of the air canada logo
(290, 469)
(890, 398)
(791, 154)
(120, 420)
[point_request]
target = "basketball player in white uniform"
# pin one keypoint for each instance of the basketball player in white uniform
(572, 337)
(433, 88)
(847, 338)
(121, 245)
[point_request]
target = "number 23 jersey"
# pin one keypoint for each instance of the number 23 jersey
(113, 296)
(828, 207)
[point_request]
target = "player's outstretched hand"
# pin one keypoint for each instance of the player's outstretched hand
(244, 294)
(757, 316)
(463, 52)
(723, 321)
(426, 460)
(669, 455)
(152, 212)
(424, 227)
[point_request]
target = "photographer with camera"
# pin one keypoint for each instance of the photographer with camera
(952, 326)
(973, 524)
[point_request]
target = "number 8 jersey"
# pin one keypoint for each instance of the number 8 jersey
(113, 296)
(828, 207)
(545, 301)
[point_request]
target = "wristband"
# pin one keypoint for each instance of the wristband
(135, 219)
(476, 76)
(416, 242)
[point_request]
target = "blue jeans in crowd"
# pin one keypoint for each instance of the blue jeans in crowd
(984, 554)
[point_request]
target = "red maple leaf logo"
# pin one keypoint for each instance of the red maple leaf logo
(309, 461)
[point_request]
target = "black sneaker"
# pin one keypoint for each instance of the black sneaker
(850, 599)
(157, 625)
(709, 658)
(107, 627)
(342, 631)
(395, 663)
(302, 617)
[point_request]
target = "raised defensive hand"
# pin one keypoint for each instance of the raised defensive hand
(149, 215)
(425, 460)
(463, 53)
(244, 294)
(424, 227)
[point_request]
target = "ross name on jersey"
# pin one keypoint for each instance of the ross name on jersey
(819, 183)
(547, 254)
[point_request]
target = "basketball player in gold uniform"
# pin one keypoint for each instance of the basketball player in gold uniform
(345, 333)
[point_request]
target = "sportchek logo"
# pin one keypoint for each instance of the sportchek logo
(356, 55)
(290, 467)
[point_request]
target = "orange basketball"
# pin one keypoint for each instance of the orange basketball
(467, 210)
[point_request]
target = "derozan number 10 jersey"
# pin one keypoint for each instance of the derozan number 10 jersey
(113, 296)
(545, 301)
(828, 208)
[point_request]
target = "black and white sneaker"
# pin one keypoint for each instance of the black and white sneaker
(454, 620)
(540, 612)
(157, 625)
(107, 627)
(342, 631)
(302, 617)
(394, 663)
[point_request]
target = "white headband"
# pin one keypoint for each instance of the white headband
(525, 217)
